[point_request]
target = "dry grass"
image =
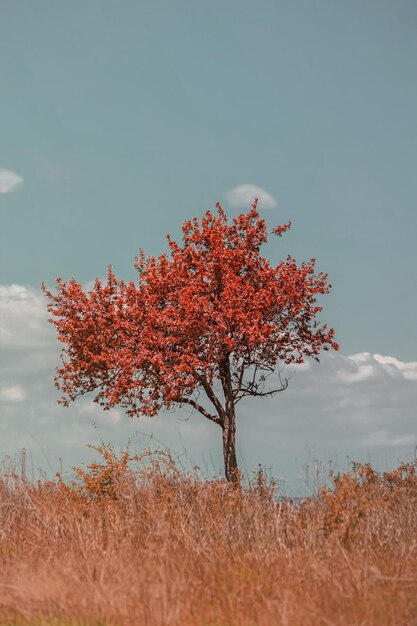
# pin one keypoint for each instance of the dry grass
(159, 548)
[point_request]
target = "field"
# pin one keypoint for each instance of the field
(136, 541)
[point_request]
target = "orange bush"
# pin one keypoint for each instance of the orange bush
(359, 497)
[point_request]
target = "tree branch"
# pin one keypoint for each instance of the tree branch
(212, 397)
(251, 389)
(260, 394)
(225, 379)
(201, 409)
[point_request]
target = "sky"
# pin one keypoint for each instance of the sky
(119, 120)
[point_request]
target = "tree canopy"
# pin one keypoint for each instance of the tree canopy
(213, 318)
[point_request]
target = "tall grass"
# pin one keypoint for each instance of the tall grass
(150, 545)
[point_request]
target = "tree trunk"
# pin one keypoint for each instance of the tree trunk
(231, 469)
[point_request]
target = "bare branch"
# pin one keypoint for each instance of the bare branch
(212, 397)
(260, 394)
(252, 388)
(264, 394)
(201, 409)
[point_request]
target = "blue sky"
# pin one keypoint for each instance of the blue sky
(119, 120)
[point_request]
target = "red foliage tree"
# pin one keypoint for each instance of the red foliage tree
(213, 317)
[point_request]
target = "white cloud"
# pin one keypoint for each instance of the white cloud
(357, 368)
(9, 181)
(242, 197)
(361, 406)
(23, 318)
(12, 394)
(408, 370)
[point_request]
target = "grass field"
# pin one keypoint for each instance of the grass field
(153, 546)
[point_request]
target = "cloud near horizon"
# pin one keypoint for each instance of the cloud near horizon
(361, 406)
(9, 181)
(242, 196)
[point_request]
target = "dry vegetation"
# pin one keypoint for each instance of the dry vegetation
(152, 546)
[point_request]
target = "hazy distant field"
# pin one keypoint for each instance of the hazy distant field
(160, 548)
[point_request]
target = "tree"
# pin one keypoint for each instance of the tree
(212, 319)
